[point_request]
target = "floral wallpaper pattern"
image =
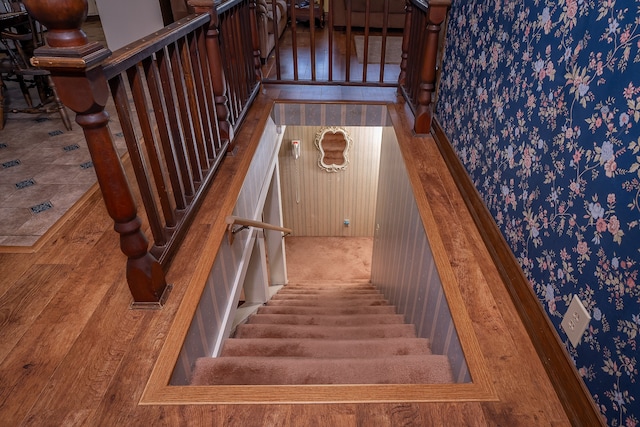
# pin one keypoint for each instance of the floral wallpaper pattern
(541, 100)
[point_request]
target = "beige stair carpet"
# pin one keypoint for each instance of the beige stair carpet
(324, 333)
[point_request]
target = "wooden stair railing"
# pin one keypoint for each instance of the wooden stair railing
(245, 223)
(239, 48)
(173, 100)
(418, 68)
(423, 32)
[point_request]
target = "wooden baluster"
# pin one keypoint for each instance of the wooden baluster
(255, 39)
(312, 38)
(275, 23)
(402, 79)
(216, 69)
(436, 15)
(75, 66)
(294, 38)
(347, 72)
(365, 53)
(330, 43)
(383, 48)
(241, 72)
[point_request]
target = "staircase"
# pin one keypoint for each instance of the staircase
(324, 333)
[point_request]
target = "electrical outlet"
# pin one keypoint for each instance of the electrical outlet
(575, 321)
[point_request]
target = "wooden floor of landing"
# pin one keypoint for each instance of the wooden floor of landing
(73, 353)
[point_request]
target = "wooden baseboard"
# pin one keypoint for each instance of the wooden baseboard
(571, 390)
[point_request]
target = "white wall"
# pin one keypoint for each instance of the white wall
(93, 8)
(316, 202)
(125, 21)
(403, 267)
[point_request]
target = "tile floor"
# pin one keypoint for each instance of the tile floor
(44, 169)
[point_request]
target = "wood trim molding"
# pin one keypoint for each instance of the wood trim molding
(574, 395)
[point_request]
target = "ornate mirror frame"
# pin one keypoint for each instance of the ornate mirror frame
(334, 144)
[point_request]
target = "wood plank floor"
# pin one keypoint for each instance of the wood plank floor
(73, 353)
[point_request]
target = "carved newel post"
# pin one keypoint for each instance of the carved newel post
(436, 14)
(75, 66)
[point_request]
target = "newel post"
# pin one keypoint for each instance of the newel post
(436, 14)
(75, 66)
(218, 79)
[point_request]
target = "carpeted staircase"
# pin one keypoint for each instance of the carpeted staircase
(324, 333)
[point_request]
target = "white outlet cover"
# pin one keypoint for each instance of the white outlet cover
(575, 321)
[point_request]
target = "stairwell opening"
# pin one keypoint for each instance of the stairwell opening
(404, 269)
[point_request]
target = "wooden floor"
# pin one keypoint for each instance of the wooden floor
(73, 353)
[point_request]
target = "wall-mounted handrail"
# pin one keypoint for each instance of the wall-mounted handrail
(245, 223)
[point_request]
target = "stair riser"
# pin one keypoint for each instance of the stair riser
(284, 309)
(326, 292)
(328, 285)
(327, 320)
(271, 347)
(327, 303)
(330, 297)
(325, 332)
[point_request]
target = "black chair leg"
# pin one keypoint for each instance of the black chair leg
(64, 115)
(25, 91)
(1, 102)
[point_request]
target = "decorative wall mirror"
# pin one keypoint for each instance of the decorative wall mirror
(333, 144)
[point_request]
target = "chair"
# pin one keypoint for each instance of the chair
(266, 17)
(20, 35)
(303, 14)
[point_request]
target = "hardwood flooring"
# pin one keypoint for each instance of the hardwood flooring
(73, 353)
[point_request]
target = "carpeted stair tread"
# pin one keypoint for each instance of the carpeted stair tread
(324, 292)
(275, 347)
(289, 288)
(331, 284)
(291, 309)
(353, 288)
(427, 369)
(335, 302)
(325, 332)
(327, 320)
(332, 296)
(311, 286)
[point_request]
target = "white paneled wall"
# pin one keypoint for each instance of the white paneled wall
(403, 267)
(316, 202)
(221, 292)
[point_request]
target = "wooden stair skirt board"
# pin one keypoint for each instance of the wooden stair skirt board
(324, 333)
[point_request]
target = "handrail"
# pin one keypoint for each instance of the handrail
(246, 223)
(172, 91)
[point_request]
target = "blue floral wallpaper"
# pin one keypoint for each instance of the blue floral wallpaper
(541, 100)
